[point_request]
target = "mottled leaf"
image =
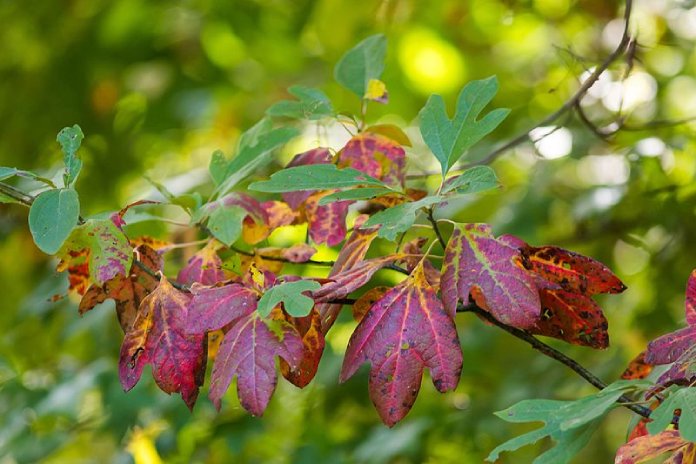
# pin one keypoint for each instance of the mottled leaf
(291, 295)
(377, 156)
(638, 368)
(474, 258)
(159, 337)
(204, 267)
(447, 138)
(572, 317)
(70, 139)
(128, 292)
(327, 223)
(361, 64)
(405, 331)
(363, 304)
(52, 217)
(645, 448)
(109, 253)
(572, 271)
(279, 214)
(311, 104)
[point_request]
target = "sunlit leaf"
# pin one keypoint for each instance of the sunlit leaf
(315, 156)
(52, 217)
(377, 156)
(345, 282)
(376, 91)
(327, 223)
(400, 218)
(362, 63)
(447, 138)
(159, 337)
(648, 447)
(204, 267)
(405, 331)
(391, 131)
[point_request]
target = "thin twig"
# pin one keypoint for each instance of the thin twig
(436, 228)
(553, 353)
(579, 94)
(21, 197)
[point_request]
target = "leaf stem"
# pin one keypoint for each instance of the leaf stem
(436, 228)
(16, 194)
(553, 353)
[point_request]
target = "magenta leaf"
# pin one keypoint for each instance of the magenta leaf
(405, 331)
(476, 260)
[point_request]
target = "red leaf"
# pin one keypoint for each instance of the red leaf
(205, 267)
(77, 265)
(363, 304)
(309, 328)
(315, 156)
(474, 258)
(344, 283)
(327, 223)
(572, 271)
(405, 331)
(159, 337)
(249, 346)
(574, 318)
(375, 155)
(647, 447)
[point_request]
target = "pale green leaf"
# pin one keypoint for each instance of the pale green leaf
(70, 139)
(6, 173)
(684, 399)
(399, 218)
(218, 167)
(476, 179)
(52, 217)
(355, 194)
(290, 294)
(313, 177)
(362, 63)
(311, 104)
(225, 223)
(447, 138)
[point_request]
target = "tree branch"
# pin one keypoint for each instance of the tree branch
(436, 228)
(575, 99)
(21, 197)
(552, 353)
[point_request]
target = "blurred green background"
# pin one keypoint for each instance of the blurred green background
(158, 85)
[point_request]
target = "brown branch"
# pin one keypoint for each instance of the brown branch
(579, 94)
(552, 353)
(21, 197)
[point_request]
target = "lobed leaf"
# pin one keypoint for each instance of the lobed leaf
(377, 156)
(159, 337)
(213, 308)
(344, 283)
(52, 217)
(404, 331)
(475, 259)
(327, 223)
(647, 447)
(397, 219)
(683, 399)
(291, 294)
(204, 267)
(448, 139)
(361, 64)
(309, 328)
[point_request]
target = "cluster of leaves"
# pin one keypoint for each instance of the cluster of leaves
(233, 304)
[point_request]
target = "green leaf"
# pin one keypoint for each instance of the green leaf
(290, 294)
(476, 179)
(70, 139)
(569, 423)
(448, 139)
(684, 399)
(250, 158)
(314, 177)
(399, 218)
(225, 223)
(217, 167)
(313, 104)
(355, 194)
(52, 217)
(362, 63)
(6, 173)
